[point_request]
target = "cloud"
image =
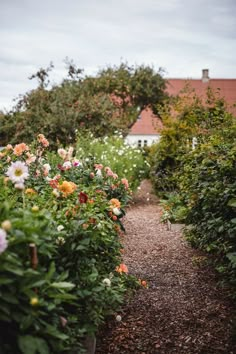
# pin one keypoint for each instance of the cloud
(182, 36)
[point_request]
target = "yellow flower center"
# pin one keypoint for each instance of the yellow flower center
(18, 172)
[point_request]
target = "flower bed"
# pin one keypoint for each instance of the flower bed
(114, 152)
(61, 268)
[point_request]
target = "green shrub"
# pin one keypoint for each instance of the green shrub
(200, 183)
(184, 118)
(208, 185)
(173, 208)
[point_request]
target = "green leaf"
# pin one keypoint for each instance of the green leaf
(6, 281)
(51, 271)
(4, 318)
(26, 322)
(63, 285)
(32, 345)
(232, 257)
(54, 333)
(65, 297)
(13, 270)
(232, 202)
(12, 299)
(221, 228)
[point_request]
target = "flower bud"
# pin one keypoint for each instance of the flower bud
(6, 225)
(34, 301)
(35, 208)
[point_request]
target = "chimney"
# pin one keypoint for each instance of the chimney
(205, 75)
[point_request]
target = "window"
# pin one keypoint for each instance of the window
(139, 143)
(145, 143)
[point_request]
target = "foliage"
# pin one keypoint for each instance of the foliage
(207, 184)
(140, 84)
(67, 212)
(187, 117)
(114, 152)
(201, 178)
(173, 208)
(100, 104)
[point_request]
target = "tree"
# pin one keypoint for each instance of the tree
(102, 104)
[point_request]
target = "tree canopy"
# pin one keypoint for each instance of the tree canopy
(102, 103)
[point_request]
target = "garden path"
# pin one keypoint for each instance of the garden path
(183, 310)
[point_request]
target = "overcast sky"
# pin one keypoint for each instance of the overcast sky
(181, 36)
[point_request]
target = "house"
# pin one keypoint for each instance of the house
(147, 128)
(225, 88)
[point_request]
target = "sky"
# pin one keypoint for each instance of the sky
(181, 36)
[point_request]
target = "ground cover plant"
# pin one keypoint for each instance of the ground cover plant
(61, 264)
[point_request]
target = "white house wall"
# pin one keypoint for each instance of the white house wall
(135, 139)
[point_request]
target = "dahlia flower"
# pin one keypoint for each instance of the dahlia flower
(18, 172)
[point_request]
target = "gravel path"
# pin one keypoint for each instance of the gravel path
(183, 310)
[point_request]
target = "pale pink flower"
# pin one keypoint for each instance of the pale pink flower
(31, 158)
(98, 166)
(19, 186)
(67, 165)
(63, 321)
(37, 173)
(70, 152)
(3, 240)
(62, 153)
(109, 172)
(46, 169)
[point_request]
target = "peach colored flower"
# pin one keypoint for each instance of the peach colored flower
(20, 148)
(125, 182)
(143, 283)
(9, 147)
(30, 191)
(42, 140)
(67, 188)
(31, 158)
(122, 268)
(115, 203)
(6, 179)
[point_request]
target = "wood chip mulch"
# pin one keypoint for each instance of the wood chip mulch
(183, 310)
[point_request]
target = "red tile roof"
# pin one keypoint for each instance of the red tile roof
(147, 124)
(225, 87)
